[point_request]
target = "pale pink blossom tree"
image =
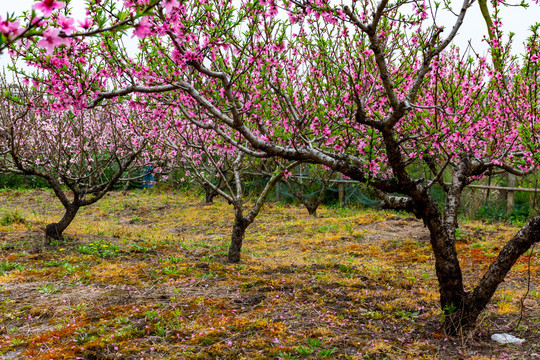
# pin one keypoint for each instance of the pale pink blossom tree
(56, 28)
(82, 154)
(205, 156)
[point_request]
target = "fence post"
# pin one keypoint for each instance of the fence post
(340, 190)
(510, 195)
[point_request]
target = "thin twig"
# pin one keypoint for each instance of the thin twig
(528, 289)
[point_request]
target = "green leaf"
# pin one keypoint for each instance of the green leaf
(122, 15)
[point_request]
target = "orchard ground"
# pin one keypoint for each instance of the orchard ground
(142, 275)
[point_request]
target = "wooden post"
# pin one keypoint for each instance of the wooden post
(340, 190)
(533, 198)
(277, 192)
(510, 195)
(488, 190)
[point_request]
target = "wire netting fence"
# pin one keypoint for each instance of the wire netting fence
(499, 197)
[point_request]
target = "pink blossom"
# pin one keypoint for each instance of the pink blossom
(10, 28)
(47, 6)
(51, 39)
(142, 29)
(170, 4)
(67, 24)
(86, 23)
(286, 173)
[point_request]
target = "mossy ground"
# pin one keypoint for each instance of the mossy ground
(142, 275)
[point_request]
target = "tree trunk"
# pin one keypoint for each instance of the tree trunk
(210, 194)
(311, 207)
(517, 246)
(237, 237)
(447, 269)
(341, 192)
(54, 231)
(461, 309)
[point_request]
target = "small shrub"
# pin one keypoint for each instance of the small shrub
(174, 259)
(53, 263)
(171, 271)
(142, 249)
(284, 355)
(494, 212)
(151, 314)
(459, 234)
(519, 215)
(304, 350)
(82, 337)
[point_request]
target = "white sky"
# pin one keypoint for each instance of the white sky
(515, 19)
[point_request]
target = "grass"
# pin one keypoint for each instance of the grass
(143, 275)
(103, 249)
(11, 217)
(6, 266)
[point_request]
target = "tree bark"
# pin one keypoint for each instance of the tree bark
(454, 302)
(517, 246)
(312, 207)
(461, 309)
(447, 265)
(54, 231)
(242, 222)
(210, 194)
(237, 238)
(510, 195)
(442, 238)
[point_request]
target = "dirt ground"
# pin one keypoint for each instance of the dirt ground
(143, 275)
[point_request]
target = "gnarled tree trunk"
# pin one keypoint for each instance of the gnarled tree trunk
(465, 316)
(461, 309)
(242, 222)
(54, 231)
